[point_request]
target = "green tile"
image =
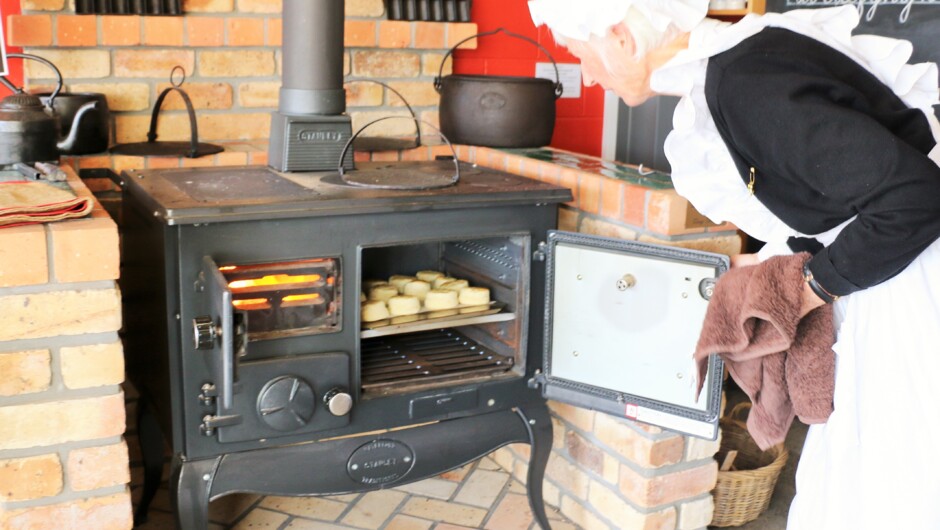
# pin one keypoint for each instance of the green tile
(608, 168)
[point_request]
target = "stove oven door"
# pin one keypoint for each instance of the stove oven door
(621, 322)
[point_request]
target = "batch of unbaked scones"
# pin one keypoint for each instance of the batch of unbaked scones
(427, 291)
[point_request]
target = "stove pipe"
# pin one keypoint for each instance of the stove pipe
(309, 129)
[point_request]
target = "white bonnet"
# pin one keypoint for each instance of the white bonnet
(579, 19)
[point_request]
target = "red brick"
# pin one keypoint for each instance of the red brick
(666, 489)
(585, 453)
(98, 467)
(92, 365)
(205, 31)
(245, 31)
(56, 422)
(569, 179)
(275, 32)
(417, 94)
(394, 34)
(101, 513)
(240, 63)
(201, 95)
(162, 162)
(364, 8)
(589, 193)
(120, 30)
(24, 372)
(86, 162)
(208, 6)
(259, 6)
(429, 35)
(85, 250)
(152, 63)
(457, 31)
(359, 34)
(231, 158)
(163, 31)
(30, 478)
(42, 5)
(76, 30)
(612, 191)
(29, 30)
(23, 258)
(386, 64)
(634, 205)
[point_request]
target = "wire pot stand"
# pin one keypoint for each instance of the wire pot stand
(191, 149)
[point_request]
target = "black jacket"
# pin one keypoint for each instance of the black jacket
(827, 141)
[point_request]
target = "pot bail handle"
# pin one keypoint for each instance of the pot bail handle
(16, 90)
(342, 156)
(558, 86)
(194, 131)
(401, 97)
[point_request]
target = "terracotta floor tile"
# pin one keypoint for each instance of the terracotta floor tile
(260, 518)
(322, 508)
(512, 513)
(231, 507)
(405, 522)
(482, 488)
(448, 512)
(371, 511)
(432, 487)
(307, 524)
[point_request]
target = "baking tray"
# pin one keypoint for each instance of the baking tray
(436, 320)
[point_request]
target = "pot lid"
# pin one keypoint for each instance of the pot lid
(21, 102)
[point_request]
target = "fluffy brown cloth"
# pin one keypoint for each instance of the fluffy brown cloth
(783, 363)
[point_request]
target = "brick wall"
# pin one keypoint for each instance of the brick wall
(230, 50)
(63, 460)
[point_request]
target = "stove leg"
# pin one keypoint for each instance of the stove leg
(539, 425)
(190, 485)
(151, 447)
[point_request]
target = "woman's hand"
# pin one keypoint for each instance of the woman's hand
(744, 260)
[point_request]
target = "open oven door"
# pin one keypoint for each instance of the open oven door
(621, 322)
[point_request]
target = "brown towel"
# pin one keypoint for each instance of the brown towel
(783, 363)
(38, 202)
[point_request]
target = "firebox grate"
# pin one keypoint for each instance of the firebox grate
(424, 357)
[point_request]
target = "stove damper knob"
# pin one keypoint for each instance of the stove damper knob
(338, 401)
(204, 333)
(286, 403)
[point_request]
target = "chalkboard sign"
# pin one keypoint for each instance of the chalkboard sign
(917, 21)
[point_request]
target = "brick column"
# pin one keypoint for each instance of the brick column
(63, 460)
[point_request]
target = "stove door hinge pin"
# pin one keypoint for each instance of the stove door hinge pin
(539, 254)
(537, 380)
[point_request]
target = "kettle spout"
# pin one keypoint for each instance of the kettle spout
(68, 142)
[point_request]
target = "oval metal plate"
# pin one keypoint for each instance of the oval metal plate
(380, 462)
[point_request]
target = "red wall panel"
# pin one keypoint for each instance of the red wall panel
(579, 122)
(11, 7)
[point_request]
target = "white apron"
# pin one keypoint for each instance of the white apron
(875, 465)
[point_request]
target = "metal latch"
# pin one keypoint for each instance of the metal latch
(210, 392)
(706, 288)
(539, 379)
(210, 423)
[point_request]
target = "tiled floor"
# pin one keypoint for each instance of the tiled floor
(479, 495)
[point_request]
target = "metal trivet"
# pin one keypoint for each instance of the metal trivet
(191, 149)
(424, 357)
(396, 176)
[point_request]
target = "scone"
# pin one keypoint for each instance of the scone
(438, 282)
(438, 299)
(403, 305)
(455, 285)
(429, 276)
(362, 297)
(474, 296)
(383, 292)
(373, 311)
(367, 285)
(399, 281)
(417, 288)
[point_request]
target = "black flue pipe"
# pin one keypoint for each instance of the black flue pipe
(312, 79)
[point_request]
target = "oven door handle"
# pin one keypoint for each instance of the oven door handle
(223, 350)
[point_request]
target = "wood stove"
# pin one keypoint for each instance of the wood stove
(243, 332)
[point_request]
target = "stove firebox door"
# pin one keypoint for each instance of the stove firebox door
(622, 320)
(214, 335)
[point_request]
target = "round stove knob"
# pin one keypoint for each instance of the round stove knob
(286, 403)
(338, 401)
(204, 333)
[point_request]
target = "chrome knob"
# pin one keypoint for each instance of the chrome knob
(204, 333)
(626, 282)
(338, 401)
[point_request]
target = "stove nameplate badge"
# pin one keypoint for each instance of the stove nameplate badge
(380, 462)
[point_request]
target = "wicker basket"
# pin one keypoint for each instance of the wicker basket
(743, 492)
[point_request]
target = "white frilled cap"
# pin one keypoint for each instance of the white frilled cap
(579, 19)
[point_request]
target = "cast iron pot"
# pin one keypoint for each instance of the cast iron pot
(497, 111)
(94, 130)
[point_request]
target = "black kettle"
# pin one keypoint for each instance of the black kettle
(29, 130)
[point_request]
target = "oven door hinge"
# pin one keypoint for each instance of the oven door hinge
(539, 253)
(210, 423)
(537, 380)
(209, 392)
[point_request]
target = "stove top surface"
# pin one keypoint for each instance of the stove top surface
(193, 195)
